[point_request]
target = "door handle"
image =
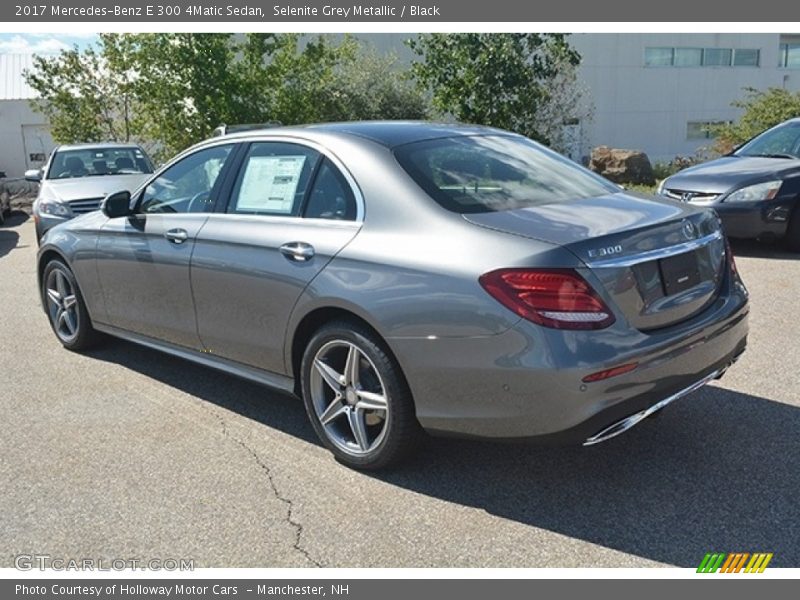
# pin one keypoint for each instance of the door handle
(297, 251)
(176, 236)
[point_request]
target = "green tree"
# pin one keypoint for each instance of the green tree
(84, 98)
(372, 86)
(497, 79)
(762, 110)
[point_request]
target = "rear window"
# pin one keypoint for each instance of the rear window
(476, 174)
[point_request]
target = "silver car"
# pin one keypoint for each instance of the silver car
(77, 177)
(409, 277)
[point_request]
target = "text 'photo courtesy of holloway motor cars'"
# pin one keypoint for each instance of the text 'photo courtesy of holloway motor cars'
(409, 277)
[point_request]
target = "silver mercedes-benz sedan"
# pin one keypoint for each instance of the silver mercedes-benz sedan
(409, 277)
(77, 177)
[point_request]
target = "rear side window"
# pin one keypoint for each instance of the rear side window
(273, 179)
(475, 174)
(330, 196)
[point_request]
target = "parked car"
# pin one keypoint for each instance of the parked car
(755, 189)
(408, 277)
(77, 177)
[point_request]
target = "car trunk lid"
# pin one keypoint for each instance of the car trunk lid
(659, 262)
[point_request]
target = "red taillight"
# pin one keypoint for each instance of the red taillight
(558, 298)
(612, 372)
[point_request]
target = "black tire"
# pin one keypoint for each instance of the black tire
(393, 433)
(792, 239)
(85, 336)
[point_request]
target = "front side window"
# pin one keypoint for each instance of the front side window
(188, 185)
(91, 162)
(476, 174)
(273, 179)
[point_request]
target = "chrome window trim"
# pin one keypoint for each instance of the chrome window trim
(629, 261)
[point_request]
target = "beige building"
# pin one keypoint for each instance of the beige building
(25, 138)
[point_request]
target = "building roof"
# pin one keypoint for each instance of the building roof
(12, 81)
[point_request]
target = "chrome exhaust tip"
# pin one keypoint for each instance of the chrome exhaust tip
(625, 424)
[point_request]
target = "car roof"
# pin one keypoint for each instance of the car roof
(98, 145)
(386, 133)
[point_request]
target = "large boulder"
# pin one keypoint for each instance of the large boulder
(622, 166)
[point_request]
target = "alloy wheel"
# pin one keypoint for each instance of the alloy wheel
(62, 305)
(349, 397)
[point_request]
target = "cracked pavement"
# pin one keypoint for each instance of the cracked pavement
(124, 452)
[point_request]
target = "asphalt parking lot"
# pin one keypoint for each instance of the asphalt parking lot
(128, 453)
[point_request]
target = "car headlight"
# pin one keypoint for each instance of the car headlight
(55, 209)
(753, 193)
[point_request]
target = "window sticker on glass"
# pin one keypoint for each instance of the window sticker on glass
(270, 183)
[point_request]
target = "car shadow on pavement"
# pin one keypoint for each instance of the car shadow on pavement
(717, 471)
(8, 237)
(757, 249)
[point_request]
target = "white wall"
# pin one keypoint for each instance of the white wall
(13, 115)
(647, 108)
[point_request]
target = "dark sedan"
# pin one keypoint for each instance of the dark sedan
(755, 190)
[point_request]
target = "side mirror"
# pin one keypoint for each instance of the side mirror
(117, 204)
(33, 175)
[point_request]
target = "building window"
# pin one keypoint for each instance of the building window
(789, 52)
(717, 57)
(658, 57)
(746, 58)
(688, 57)
(703, 57)
(701, 130)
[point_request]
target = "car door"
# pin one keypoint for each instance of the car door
(143, 260)
(291, 209)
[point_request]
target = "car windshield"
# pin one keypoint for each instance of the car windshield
(782, 141)
(94, 162)
(477, 174)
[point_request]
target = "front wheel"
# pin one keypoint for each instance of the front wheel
(793, 231)
(66, 309)
(357, 398)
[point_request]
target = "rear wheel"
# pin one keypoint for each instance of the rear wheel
(356, 397)
(793, 231)
(66, 309)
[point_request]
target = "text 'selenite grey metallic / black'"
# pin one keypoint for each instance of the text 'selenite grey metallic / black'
(408, 277)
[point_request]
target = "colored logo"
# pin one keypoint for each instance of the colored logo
(735, 562)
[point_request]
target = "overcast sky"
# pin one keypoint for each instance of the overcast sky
(42, 43)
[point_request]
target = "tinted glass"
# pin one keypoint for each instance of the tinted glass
(717, 57)
(658, 57)
(783, 139)
(494, 173)
(330, 196)
(688, 57)
(273, 179)
(188, 185)
(90, 162)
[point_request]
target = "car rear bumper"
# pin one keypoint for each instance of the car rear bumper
(517, 386)
(753, 220)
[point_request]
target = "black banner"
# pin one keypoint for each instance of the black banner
(343, 11)
(372, 589)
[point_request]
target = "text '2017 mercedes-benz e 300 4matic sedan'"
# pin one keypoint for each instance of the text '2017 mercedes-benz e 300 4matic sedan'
(404, 278)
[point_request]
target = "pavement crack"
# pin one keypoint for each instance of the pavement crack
(276, 492)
